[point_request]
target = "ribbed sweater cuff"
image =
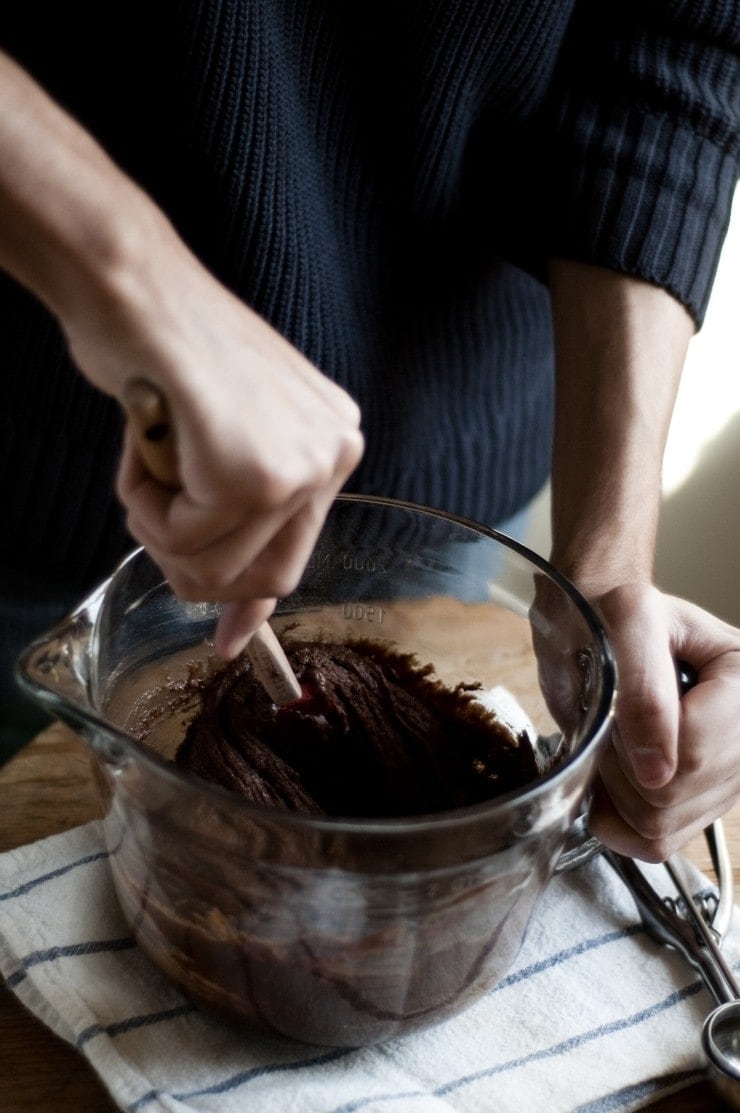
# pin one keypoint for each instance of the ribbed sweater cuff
(653, 203)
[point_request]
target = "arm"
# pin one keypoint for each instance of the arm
(264, 439)
(620, 346)
(620, 349)
(642, 139)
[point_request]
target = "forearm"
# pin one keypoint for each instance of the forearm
(73, 228)
(620, 346)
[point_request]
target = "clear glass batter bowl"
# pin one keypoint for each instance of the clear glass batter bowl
(335, 931)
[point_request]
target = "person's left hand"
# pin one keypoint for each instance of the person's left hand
(673, 765)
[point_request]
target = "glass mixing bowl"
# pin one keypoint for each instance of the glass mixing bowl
(336, 931)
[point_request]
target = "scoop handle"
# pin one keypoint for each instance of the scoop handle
(148, 414)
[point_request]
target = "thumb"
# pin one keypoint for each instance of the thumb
(647, 711)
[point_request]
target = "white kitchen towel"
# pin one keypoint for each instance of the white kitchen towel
(593, 1016)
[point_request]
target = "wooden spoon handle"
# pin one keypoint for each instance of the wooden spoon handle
(149, 417)
(148, 414)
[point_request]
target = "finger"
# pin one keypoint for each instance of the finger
(263, 559)
(147, 502)
(170, 521)
(237, 623)
(654, 813)
(174, 521)
(188, 526)
(662, 814)
(132, 471)
(654, 841)
(258, 481)
(288, 552)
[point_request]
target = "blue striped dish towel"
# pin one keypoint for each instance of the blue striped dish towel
(592, 1017)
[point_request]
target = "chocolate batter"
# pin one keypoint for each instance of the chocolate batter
(374, 735)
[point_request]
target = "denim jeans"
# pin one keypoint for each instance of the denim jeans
(26, 610)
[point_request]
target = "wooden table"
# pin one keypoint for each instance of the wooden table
(48, 788)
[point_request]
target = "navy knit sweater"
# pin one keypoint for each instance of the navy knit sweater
(383, 183)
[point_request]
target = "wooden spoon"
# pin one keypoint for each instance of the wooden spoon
(148, 414)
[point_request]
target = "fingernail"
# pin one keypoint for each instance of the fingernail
(651, 767)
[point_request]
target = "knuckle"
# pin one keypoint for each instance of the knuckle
(208, 585)
(276, 584)
(337, 457)
(321, 471)
(655, 826)
(690, 762)
(657, 802)
(181, 547)
(651, 826)
(351, 451)
(654, 852)
(273, 487)
(196, 583)
(276, 481)
(272, 484)
(181, 584)
(286, 585)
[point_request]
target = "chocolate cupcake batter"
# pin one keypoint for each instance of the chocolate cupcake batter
(374, 735)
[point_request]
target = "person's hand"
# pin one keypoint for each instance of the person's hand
(263, 440)
(673, 766)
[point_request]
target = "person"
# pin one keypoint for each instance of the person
(436, 253)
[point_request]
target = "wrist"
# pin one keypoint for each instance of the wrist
(604, 532)
(110, 306)
(77, 232)
(598, 568)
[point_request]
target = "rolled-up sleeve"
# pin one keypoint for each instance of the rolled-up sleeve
(641, 141)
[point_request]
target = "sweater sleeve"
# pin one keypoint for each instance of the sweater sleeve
(642, 141)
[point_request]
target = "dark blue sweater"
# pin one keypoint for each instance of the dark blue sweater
(383, 183)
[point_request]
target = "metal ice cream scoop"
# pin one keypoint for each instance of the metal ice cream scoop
(682, 925)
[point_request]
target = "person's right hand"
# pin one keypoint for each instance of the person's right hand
(264, 441)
